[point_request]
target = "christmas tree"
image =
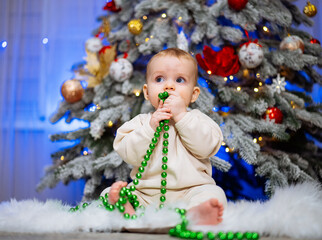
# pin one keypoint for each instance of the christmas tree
(256, 72)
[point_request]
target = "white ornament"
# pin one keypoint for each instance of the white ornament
(251, 55)
(94, 44)
(121, 70)
(278, 84)
(182, 42)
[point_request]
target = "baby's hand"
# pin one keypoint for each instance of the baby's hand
(161, 113)
(176, 105)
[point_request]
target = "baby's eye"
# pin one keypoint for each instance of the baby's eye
(159, 79)
(180, 80)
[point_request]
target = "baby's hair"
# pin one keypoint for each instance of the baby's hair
(175, 52)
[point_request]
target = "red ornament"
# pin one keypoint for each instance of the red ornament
(314, 40)
(110, 6)
(274, 113)
(237, 4)
(222, 63)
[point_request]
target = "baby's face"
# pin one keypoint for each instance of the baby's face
(169, 73)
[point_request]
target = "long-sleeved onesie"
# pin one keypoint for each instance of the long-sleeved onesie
(192, 141)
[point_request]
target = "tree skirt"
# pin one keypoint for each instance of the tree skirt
(294, 212)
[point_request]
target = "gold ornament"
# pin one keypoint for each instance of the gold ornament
(310, 9)
(292, 43)
(135, 26)
(72, 91)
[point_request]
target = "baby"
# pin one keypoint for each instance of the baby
(193, 138)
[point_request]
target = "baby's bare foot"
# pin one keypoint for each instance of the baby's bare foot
(114, 196)
(114, 193)
(209, 212)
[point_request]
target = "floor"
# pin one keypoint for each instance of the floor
(94, 236)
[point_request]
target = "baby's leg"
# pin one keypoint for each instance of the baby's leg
(114, 196)
(207, 213)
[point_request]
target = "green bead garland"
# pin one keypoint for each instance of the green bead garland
(180, 230)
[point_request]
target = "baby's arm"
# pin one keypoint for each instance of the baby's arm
(133, 139)
(199, 134)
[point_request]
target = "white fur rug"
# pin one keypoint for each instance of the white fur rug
(294, 212)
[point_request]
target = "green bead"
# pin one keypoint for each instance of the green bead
(77, 208)
(135, 182)
(117, 204)
(211, 235)
(102, 198)
(239, 235)
(152, 145)
(162, 198)
(72, 209)
(166, 128)
(164, 167)
(133, 188)
(165, 159)
(144, 163)
(163, 190)
(134, 197)
(164, 174)
(106, 195)
(159, 129)
(154, 140)
(255, 236)
(122, 193)
(85, 205)
(122, 200)
(165, 94)
(230, 235)
(138, 175)
(166, 121)
(157, 134)
(172, 232)
(182, 211)
(136, 204)
(163, 182)
(134, 217)
(248, 235)
(193, 235)
(161, 123)
(121, 208)
(199, 235)
(149, 152)
(141, 169)
(127, 216)
(165, 143)
(223, 236)
(111, 207)
(166, 135)
(105, 202)
(161, 206)
(165, 150)
(178, 228)
(160, 95)
(147, 157)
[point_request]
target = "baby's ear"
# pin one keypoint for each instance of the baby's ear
(145, 91)
(195, 94)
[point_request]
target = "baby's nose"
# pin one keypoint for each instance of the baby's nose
(169, 86)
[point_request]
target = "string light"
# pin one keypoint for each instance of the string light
(137, 92)
(260, 139)
(98, 107)
(223, 143)
(255, 140)
(62, 158)
(265, 29)
(238, 88)
(225, 79)
(227, 149)
(231, 77)
(85, 153)
(258, 75)
(4, 44)
(147, 39)
(163, 15)
(180, 18)
(145, 17)
(209, 72)
(260, 83)
(45, 40)
(110, 124)
(255, 89)
(151, 36)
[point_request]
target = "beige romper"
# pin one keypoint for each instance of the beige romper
(192, 140)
